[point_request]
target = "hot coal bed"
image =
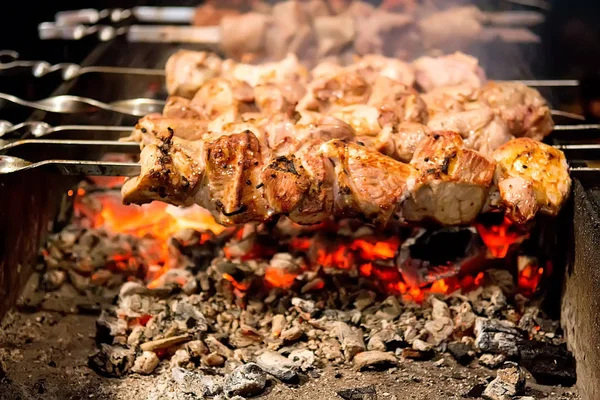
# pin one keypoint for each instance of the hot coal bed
(176, 307)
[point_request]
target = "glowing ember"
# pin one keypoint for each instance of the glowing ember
(279, 278)
(499, 238)
(529, 274)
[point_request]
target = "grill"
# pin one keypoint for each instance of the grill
(47, 155)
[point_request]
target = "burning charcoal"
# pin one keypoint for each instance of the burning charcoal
(164, 343)
(112, 361)
(389, 309)
(181, 358)
(101, 277)
(496, 300)
(385, 340)
(145, 363)
(131, 288)
(461, 352)
(53, 279)
(362, 393)
(492, 360)
(352, 341)
(277, 365)
(302, 358)
(313, 285)
(291, 335)
(213, 360)
(509, 382)
(195, 383)
(374, 359)
(277, 325)
(196, 348)
(495, 336)
(246, 380)
(108, 326)
(503, 279)
(548, 364)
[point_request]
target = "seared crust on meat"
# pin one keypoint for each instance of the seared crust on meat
(543, 178)
(255, 142)
(522, 108)
(452, 181)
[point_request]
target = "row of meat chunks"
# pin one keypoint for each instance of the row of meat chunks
(378, 140)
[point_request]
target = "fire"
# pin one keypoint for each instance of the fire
(279, 278)
(373, 255)
(530, 274)
(156, 221)
(499, 238)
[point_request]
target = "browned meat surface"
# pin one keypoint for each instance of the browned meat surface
(531, 176)
(451, 181)
(187, 70)
(523, 108)
(259, 141)
(480, 128)
(238, 177)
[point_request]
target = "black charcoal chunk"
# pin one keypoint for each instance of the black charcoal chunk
(362, 393)
(549, 364)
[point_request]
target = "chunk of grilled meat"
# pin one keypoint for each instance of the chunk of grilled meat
(481, 129)
(240, 178)
(450, 70)
(187, 70)
(531, 176)
(523, 109)
(452, 181)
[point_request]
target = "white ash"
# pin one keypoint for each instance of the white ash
(195, 319)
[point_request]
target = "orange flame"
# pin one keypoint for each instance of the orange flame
(280, 278)
(499, 238)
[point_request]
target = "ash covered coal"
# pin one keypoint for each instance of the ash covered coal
(246, 310)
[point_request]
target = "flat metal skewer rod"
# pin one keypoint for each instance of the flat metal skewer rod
(108, 146)
(10, 164)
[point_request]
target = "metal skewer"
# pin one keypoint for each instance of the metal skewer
(108, 146)
(9, 164)
(9, 60)
(39, 129)
(66, 104)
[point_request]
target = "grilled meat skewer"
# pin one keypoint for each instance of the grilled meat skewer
(239, 179)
